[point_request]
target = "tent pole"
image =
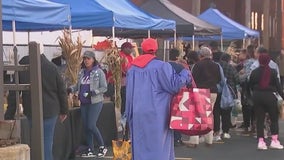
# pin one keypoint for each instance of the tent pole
(14, 32)
(175, 38)
(167, 49)
(222, 47)
(29, 36)
(149, 33)
(70, 30)
(113, 36)
(193, 42)
(164, 56)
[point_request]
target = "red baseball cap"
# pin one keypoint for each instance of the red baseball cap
(149, 45)
(126, 45)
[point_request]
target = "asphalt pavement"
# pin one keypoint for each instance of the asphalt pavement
(237, 148)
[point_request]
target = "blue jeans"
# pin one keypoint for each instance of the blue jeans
(48, 133)
(90, 114)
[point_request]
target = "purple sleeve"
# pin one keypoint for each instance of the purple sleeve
(171, 81)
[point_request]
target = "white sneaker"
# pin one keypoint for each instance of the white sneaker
(201, 139)
(102, 151)
(217, 139)
(261, 145)
(226, 136)
(275, 145)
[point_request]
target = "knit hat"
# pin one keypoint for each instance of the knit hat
(89, 54)
(149, 45)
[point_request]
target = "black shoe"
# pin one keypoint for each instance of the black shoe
(246, 132)
(179, 143)
(102, 151)
(88, 153)
(242, 126)
(233, 126)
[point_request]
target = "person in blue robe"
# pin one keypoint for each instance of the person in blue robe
(150, 86)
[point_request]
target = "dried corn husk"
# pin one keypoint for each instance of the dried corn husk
(71, 51)
(114, 61)
(179, 47)
(232, 51)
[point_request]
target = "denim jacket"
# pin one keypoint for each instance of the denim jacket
(98, 84)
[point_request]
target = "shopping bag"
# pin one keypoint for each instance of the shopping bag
(281, 112)
(121, 149)
(227, 99)
(191, 111)
(279, 105)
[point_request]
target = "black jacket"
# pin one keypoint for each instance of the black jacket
(274, 84)
(206, 74)
(54, 94)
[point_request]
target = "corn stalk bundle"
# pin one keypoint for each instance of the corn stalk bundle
(180, 48)
(114, 61)
(231, 50)
(71, 51)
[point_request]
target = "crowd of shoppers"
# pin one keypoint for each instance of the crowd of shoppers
(148, 85)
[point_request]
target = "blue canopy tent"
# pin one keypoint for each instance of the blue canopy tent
(127, 15)
(34, 15)
(87, 14)
(110, 15)
(230, 29)
(31, 15)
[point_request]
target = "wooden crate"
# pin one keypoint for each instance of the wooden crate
(6, 128)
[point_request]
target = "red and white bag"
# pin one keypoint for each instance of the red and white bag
(191, 111)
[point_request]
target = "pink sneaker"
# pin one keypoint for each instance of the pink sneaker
(275, 144)
(261, 145)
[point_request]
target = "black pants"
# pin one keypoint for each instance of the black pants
(225, 115)
(123, 99)
(282, 81)
(177, 135)
(248, 115)
(12, 107)
(265, 102)
(122, 109)
(247, 107)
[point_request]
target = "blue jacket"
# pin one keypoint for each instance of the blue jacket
(98, 84)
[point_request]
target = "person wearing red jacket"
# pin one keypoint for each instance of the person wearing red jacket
(127, 58)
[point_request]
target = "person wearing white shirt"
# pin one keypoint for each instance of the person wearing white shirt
(271, 64)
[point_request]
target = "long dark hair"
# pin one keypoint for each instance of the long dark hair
(94, 64)
(191, 57)
(250, 51)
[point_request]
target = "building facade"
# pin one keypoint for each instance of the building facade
(262, 15)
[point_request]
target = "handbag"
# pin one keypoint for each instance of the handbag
(279, 100)
(227, 99)
(279, 105)
(121, 148)
(191, 111)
